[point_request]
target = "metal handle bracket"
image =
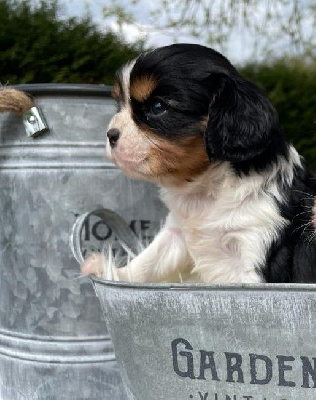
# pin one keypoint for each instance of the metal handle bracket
(34, 122)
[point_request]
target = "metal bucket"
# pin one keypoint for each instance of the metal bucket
(212, 342)
(53, 340)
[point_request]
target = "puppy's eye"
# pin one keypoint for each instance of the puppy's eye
(158, 107)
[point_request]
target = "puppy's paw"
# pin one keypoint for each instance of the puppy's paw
(100, 266)
(93, 265)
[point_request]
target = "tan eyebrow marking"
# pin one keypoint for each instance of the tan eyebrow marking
(142, 87)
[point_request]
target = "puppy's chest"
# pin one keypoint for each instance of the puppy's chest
(226, 226)
(204, 220)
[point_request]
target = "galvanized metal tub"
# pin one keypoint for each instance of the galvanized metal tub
(212, 342)
(53, 339)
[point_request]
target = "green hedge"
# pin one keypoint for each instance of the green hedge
(291, 86)
(37, 45)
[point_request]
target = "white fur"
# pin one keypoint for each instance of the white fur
(219, 229)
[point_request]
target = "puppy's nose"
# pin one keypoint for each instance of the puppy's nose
(113, 135)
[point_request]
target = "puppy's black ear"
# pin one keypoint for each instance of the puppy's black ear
(241, 121)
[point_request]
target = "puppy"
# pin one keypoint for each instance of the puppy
(240, 197)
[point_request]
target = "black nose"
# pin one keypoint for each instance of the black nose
(113, 135)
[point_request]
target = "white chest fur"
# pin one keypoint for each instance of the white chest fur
(228, 223)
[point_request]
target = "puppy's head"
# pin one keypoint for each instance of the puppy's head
(182, 107)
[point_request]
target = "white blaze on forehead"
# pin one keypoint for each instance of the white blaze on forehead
(125, 78)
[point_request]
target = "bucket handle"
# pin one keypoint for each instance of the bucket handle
(23, 104)
(126, 237)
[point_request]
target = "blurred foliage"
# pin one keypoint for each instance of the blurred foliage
(37, 45)
(291, 86)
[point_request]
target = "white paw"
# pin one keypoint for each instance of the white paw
(100, 266)
(93, 265)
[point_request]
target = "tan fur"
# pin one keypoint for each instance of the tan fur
(183, 159)
(142, 88)
(15, 101)
(116, 91)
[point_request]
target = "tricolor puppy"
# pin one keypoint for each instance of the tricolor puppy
(239, 195)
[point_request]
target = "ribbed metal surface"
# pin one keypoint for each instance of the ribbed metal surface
(212, 342)
(53, 338)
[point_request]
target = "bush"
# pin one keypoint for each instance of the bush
(38, 46)
(291, 86)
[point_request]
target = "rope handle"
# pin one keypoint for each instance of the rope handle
(23, 104)
(126, 237)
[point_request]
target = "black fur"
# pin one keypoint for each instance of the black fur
(292, 257)
(243, 126)
(206, 96)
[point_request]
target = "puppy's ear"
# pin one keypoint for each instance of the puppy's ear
(241, 120)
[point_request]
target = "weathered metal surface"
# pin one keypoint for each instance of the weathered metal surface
(213, 342)
(53, 339)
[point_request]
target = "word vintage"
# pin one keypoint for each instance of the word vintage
(254, 369)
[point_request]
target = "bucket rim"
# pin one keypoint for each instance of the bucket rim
(275, 287)
(64, 89)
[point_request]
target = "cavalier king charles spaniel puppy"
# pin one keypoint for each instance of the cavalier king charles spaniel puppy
(239, 195)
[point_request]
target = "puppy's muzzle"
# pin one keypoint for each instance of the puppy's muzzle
(113, 136)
